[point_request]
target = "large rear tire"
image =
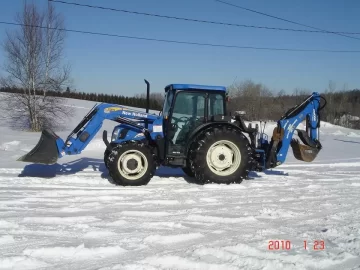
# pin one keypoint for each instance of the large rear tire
(131, 164)
(222, 155)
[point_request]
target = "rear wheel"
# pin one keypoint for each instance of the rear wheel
(221, 155)
(131, 164)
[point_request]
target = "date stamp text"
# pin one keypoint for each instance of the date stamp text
(286, 245)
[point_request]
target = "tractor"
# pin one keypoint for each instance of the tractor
(192, 131)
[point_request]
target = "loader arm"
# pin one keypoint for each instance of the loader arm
(283, 134)
(51, 147)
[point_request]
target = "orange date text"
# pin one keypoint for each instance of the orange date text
(286, 245)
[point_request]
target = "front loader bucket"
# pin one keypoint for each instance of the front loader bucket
(46, 150)
(304, 152)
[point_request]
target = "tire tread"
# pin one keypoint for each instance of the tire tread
(114, 155)
(200, 145)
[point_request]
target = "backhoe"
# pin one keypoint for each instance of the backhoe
(192, 132)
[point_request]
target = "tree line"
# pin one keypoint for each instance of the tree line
(138, 101)
(255, 99)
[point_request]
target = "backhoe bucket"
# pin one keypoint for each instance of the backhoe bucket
(46, 150)
(305, 152)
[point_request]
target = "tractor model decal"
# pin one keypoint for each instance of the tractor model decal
(112, 109)
(134, 114)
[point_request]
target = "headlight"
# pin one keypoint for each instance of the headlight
(115, 134)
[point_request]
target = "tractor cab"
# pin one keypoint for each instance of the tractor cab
(186, 107)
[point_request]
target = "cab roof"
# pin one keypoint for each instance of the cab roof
(194, 87)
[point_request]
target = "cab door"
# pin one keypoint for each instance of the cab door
(188, 113)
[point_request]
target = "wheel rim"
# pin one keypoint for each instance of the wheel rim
(223, 158)
(132, 164)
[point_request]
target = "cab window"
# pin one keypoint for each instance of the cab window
(216, 104)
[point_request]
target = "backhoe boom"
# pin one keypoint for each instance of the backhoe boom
(282, 137)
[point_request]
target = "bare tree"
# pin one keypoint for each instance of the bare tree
(34, 54)
(56, 75)
(281, 100)
(330, 110)
(253, 98)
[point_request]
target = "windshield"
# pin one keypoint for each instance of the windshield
(167, 103)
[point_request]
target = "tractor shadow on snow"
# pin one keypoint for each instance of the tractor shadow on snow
(346, 141)
(93, 164)
(68, 168)
(90, 164)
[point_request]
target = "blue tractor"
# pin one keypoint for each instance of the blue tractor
(193, 132)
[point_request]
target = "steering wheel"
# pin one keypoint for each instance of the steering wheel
(183, 119)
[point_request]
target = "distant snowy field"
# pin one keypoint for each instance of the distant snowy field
(70, 216)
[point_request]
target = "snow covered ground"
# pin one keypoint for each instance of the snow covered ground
(70, 215)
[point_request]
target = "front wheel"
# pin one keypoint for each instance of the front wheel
(187, 170)
(106, 157)
(221, 155)
(131, 164)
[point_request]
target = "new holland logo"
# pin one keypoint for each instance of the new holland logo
(112, 109)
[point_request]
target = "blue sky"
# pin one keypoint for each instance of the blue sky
(118, 66)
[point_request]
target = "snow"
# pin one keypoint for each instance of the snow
(170, 239)
(5, 239)
(74, 253)
(70, 216)
(20, 262)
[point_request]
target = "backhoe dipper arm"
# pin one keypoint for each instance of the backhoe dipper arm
(283, 134)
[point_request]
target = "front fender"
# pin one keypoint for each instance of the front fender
(125, 132)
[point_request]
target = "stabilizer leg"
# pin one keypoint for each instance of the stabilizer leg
(271, 159)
